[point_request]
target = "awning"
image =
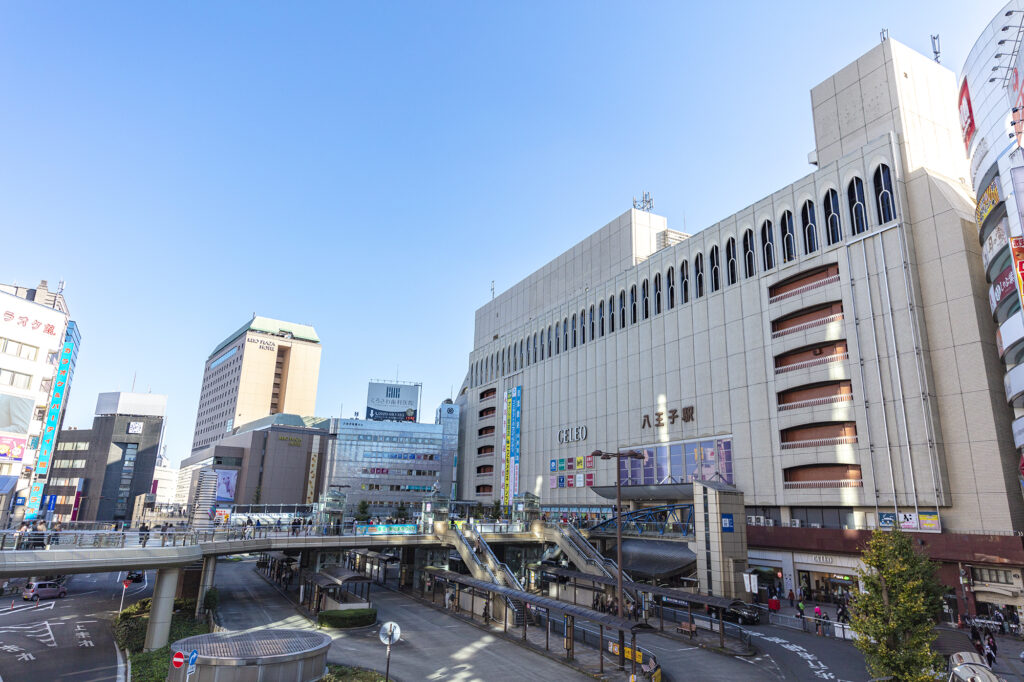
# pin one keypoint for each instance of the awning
(339, 575)
(949, 641)
(8, 484)
(657, 559)
(669, 492)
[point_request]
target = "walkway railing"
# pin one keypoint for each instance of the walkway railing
(818, 442)
(820, 626)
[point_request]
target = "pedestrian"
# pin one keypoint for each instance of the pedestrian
(163, 534)
(990, 640)
(990, 655)
(791, 597)
(826, 625)
(142, 533)
(277, 525)
(800, 609)
(487, 612)
(817, 611)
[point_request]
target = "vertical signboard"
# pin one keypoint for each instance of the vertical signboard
(967, 125)
(314, 460)
(53, 410)
(510, 451)
(1015, 93)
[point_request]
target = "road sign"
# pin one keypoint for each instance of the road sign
(390, 633)
(126, 583)
(178, 659)
(192, 658)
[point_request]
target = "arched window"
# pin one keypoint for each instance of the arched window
(883, 194)
(730, 261)
(858, 214)
(632, 304)
(622, 309)
(684, 282)
(600, 314)
(583, 326)
(698, 275)
(810, 227)
(521, 354)
(645, 290)
(611, 314)
(788, 237)
(593, 335)
(657, 293)
(713, 263)
(535, 348)
(767, 245)
(502, 362)
(527, 351)
(749, 264)
(558, 337)
(670, 281)
(549, 340)
(565, 333)
(574, 330)
(542, 344)
(833, 226)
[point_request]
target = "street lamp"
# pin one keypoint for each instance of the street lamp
(628, 454)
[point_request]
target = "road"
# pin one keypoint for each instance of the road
(69, 639)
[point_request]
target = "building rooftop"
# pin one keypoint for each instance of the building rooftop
(266, 325)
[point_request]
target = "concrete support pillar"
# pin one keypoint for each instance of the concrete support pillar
(162, 608)
(205, 581)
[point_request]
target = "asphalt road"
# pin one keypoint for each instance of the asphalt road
(69, 639)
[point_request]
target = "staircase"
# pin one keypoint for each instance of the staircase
(501, 571)
(480, 567)
(583, 554)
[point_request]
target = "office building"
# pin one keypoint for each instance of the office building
(165, 483)
(266, 367)
(828, 351)
(38, 348)
(97, 473)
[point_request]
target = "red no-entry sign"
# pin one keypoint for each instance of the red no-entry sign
(178, 659)
(126, 583)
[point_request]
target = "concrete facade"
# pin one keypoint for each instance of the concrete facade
(266, 367)
(828, 350)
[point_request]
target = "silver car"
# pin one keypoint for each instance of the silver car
(43, 590)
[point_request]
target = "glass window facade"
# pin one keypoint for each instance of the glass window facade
(706, 459)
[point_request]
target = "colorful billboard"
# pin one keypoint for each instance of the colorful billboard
(392, 402)
(1002, 286)
(967, 124)
(12, 448)
(988, 201)
(994, 243)
(53, 410)
(227, 479)
(510, 451)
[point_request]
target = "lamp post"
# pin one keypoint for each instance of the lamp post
(628, 454)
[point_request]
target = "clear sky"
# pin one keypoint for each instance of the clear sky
(370, 168)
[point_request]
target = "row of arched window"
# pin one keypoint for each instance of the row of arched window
(709, 277)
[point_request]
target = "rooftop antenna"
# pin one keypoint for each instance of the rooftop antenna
(935, 47)
(646, 203)
(884, 34)
(492, 289)
(60, 287)
(134, 374)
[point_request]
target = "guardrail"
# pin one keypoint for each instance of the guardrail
(819, 626)
(817, 284)
(499, 566)
(820, 360)
(810, 324)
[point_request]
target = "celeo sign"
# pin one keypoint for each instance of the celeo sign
(572, 434)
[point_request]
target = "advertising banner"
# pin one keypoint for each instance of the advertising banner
(392, 402)
(388, 529)
(227, 479)
(1002, 286)
(967, 124)
(987, 202)
(1015, 91)
(60, 387)
(1017, 251)
(35, 496)
(510, 451)
(930, 521)
(908, 520)
(886, 519)
(994, 243)
(12, 448)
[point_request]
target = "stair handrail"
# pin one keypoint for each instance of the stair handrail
(494, 579)
(607, 560)
(501, 566)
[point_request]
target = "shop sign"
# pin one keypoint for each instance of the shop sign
(1017, 251)
(1001, 288)
(388, 529)
(987, 202)
(908, 520)
(1015, 92)
(572, 434)
(685, 414)
(994, 243)
(823, 559)
(967, 124)
(929, 521)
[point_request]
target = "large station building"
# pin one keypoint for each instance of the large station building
(829, 351)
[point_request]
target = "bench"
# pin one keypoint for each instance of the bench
(688, 628)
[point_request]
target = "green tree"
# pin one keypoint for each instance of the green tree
(401, 513)
(363, 511)
(894, 616)
(495, 511)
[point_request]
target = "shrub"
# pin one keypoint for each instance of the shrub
(151, 666)
(344, 673)
(211, 599)
(349, 618)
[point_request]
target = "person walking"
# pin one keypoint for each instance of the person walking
(800, 609)
(142, 533)
(791, 597)
(990, 655)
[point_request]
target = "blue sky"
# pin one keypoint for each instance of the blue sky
(371, 168)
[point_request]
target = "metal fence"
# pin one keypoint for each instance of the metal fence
(818, 626)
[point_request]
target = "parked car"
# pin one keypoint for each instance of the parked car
(43, 590)
(136, 576)
(743, 613)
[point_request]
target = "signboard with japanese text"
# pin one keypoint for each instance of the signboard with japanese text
(1017, 253)
(929, 521)
(510, 452)
(987, 202)
(53, 411)
(967, 124)
(12, 448)
(994, 243)
(388, 529)
(392, 402)
(1002, 286)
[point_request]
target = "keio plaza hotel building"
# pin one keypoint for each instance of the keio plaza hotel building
(830, 351)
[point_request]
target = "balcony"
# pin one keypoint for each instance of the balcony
(818, 485)
(803, 289)
(819, 442)
(814, 402)
(820, 360)
(804, 326)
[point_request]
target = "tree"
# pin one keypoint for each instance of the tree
(894, 616)
(363, 511)
(495, 511)
(401, 513)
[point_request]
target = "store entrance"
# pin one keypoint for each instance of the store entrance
(829, 588)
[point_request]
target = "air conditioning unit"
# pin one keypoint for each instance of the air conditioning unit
(815, 525)
(769, 522)
(758, 520)
(795, 523)
(750, 520)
